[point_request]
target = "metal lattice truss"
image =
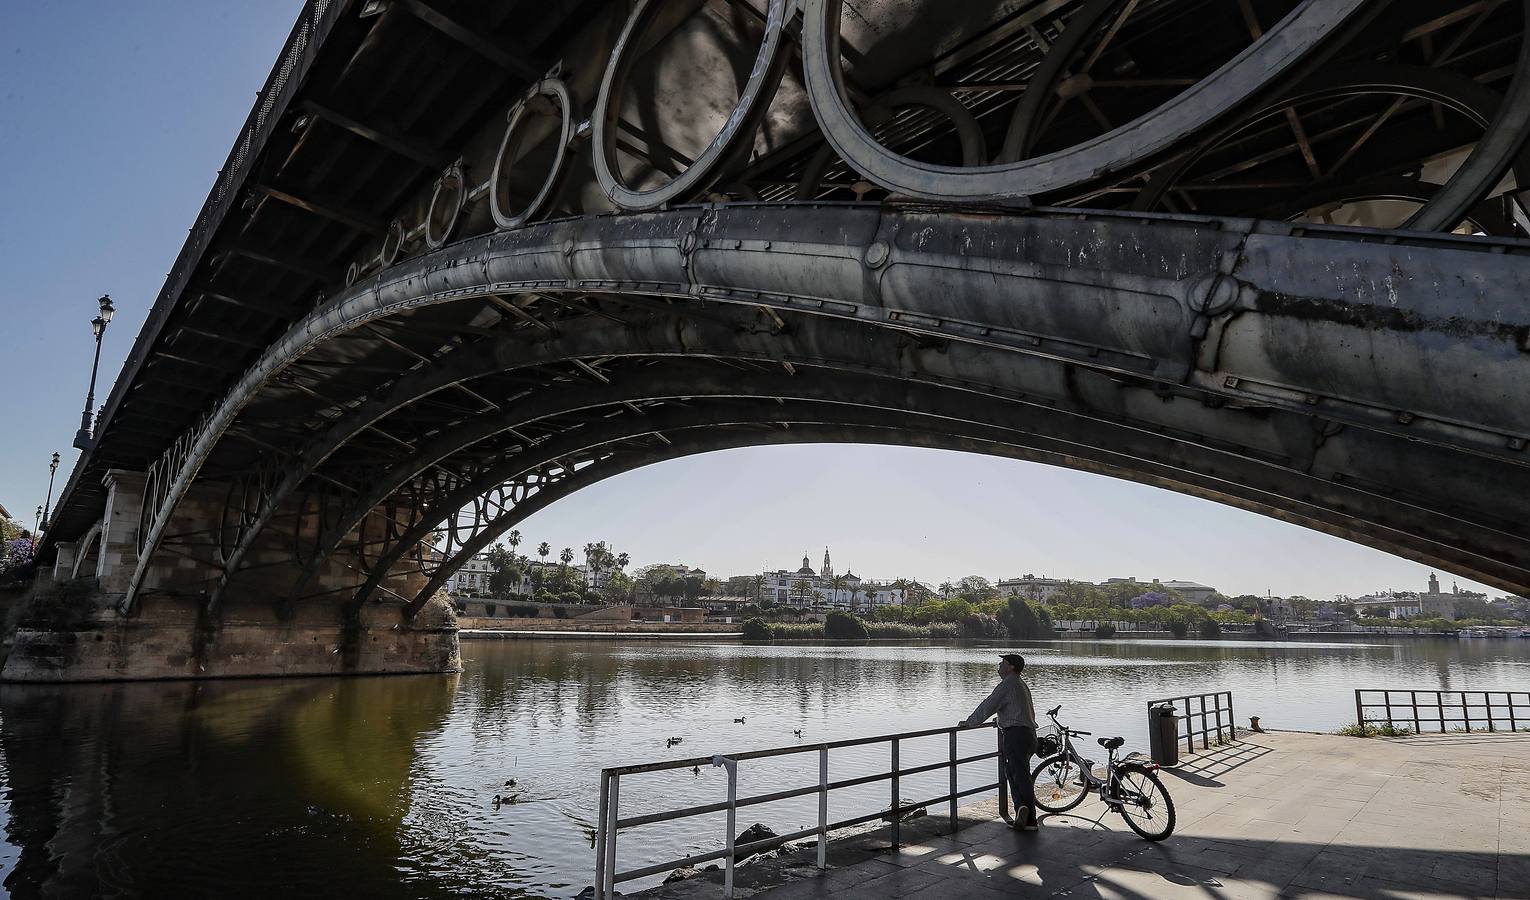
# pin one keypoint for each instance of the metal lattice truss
(1267, 252)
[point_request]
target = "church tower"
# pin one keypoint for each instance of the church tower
(828, 568)
(1434, 584)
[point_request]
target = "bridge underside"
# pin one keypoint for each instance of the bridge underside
(1187, 314)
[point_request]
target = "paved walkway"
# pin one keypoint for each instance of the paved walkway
(1272, 815)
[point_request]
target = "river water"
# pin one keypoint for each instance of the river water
(383, 787)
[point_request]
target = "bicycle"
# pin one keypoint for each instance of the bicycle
(1064, 778)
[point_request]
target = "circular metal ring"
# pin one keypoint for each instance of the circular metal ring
(730, 142)
(1274, 53)
(352, 273)
(446, 204)
(1407, 190)
(509, 144)
(968, 131)
(1449, 90)
(392, 243)
(1021, 136)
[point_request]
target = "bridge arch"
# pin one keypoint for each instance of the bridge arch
(1191, 309)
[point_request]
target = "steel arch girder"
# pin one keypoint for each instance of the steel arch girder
(1187, 462)
(1188, 299)
(978, 438)
(845, 387)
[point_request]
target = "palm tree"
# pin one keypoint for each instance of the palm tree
(837, 584)
(759, 582)
(945, 589)
(514, 540)
(567, 556)
(543, 550)
(622, 560)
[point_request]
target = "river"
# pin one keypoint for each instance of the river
(383, 787)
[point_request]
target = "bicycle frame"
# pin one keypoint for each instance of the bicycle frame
(1102, 786)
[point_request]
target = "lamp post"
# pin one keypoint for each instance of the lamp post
(37, 523)
(48, 504)
(84, 439)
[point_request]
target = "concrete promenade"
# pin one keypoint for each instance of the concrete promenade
(1279, 814)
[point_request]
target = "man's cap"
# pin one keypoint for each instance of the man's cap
(1016, 661)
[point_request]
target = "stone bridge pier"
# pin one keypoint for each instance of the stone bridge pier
(254, 629)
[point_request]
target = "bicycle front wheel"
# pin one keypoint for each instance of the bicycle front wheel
(1145, 802)
(1059, 783)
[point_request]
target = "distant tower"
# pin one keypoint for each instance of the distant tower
(1434, 584)
(806, 568)
(828, 568)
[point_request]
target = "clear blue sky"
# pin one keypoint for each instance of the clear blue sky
(114, 119)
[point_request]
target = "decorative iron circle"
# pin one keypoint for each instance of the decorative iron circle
(1448, 90)
(729, 143)
(1278, 50)
(557, 91)
(446, 203)
(968, 131)
(392, 244)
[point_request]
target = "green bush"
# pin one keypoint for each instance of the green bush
(899, 631)
(1044, 626)
(807, 631)
(1021, 620)
(982, 625)
(840, 626)
(1366, 729)
(1105, 630)
(1179, 629)
(520, 610)
(1210, 630)
(756, 630)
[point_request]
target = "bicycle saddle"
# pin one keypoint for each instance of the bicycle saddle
(1111, 743)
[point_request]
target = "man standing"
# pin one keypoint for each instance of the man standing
(1011, 702)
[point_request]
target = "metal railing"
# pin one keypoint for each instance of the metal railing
(1216, 720)
(1443, 710)
(610, 821)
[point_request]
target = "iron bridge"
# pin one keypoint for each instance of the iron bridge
(466, 259)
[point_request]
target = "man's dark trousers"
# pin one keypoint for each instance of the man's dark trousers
(1019, 744)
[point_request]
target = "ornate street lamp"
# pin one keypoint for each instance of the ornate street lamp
(37, 523)
(48, 505)
(84, 438)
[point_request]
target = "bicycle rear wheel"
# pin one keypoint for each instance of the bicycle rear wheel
(1145, 802)
(1059, 783)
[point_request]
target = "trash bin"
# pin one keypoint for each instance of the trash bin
(1163, 735)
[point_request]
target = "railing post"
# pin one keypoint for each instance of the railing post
(600, 838)
(1439, 704)
(1413, 700)
(895, 801)
(1216, 703)
(1189, 731)
(953, 780)
(612, 805)
(732, 829)
(1359, 711)
(823, 808)
(1232, 720)
(1466, 714)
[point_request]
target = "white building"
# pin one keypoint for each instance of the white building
(1032, 587)
(1401, 604)
(472, 578)
(805, 588)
